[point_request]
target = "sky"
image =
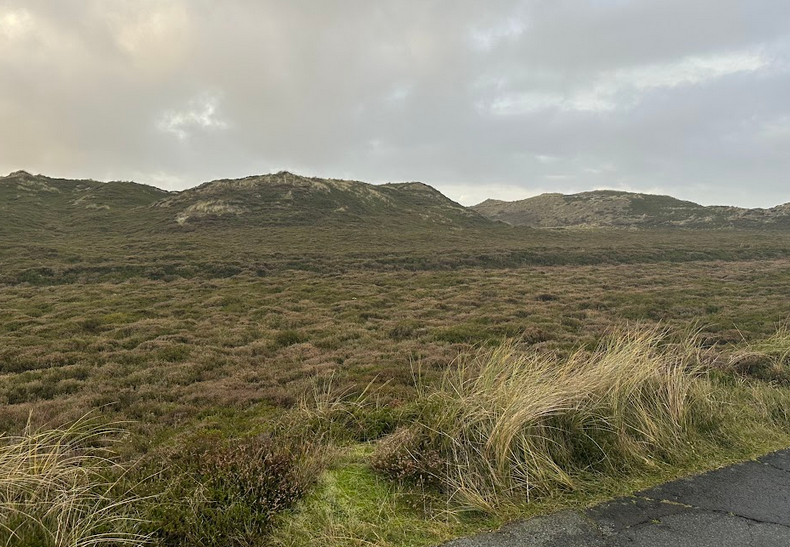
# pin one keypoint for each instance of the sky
(500, 99)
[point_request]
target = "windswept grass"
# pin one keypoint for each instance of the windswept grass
(57, 490)
(767, 359)
(505, 426)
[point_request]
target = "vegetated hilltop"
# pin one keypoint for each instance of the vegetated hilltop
(40, 203)
(37, 203)
(282, 199)
(62, 231)
(604, 208)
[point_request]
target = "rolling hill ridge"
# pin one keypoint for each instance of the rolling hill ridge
(288, 199)
(36, 203)
(282, 199)
(44, 204)
(56, 230)
(609, 208)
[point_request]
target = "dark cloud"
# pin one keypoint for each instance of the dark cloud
(481, 99)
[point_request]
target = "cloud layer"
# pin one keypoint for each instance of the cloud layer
(500, 99)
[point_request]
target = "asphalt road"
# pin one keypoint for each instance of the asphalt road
(747, 504)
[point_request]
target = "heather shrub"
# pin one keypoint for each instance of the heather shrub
(409, 457)
(226, 491)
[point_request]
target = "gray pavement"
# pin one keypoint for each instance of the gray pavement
(747, 504)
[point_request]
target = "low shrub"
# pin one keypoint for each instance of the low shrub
(463, 333)
(227, 491)
(403, 330)
(286, 338)
(408, 456)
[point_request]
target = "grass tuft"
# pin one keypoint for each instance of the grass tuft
(767, 359)
(506, 425)
(62, 487)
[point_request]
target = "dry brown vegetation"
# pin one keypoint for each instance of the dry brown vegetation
(161, 352)
(214, 344)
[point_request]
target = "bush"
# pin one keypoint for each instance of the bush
(91, 324)
(404, 329)
(462, 334)
(287, 338)
(225, 492)
(408, 457)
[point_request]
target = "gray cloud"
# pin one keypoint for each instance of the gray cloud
(502, 98)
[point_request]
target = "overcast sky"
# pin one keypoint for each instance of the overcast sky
(497, 98)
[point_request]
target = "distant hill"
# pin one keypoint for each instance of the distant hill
(72, 231)
(43, 203)
(609, 208)
(286, 199)
(37, 202)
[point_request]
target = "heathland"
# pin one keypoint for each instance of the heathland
(300, 361)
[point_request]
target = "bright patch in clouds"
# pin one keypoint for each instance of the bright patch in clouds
(155, 27)
(155, 35)
(623, 88)
(545, 158)
(691, 70)
(15, 24)
(199, 114)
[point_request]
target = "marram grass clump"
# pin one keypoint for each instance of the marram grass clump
(766, 359)
(63, 488)
(505, 425)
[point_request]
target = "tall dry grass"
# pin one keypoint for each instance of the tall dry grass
(767, 359)
(62, 488)
(506, 424)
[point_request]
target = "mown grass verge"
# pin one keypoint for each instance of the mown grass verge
(353, 505)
